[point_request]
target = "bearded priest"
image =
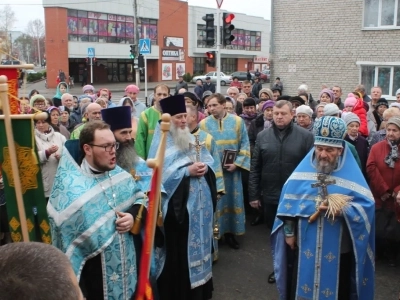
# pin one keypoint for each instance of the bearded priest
(184, 263)
(323, 239)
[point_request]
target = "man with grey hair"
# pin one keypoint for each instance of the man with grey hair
(92, 113)
(278, 151)
(67, 101)
(36, 271)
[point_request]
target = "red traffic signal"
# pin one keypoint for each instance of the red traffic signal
(211, 58)
(228, 18)
(87, 59)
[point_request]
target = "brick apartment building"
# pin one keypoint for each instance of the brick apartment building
(176, 31)
(344, 42)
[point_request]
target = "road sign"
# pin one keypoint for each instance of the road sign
(144, 46)
(91, 52)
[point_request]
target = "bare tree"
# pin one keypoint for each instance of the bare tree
(7, 21)
(35, 29)
(25, 45)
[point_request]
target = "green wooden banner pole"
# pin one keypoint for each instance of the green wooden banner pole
(13, 157)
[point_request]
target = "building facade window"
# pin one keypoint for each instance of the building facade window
(244, 39)
(199, 65)
(97, 27)
(386, 77)
(381, 13)
(228, 65)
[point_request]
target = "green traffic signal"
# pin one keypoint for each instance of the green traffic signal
(132, 56)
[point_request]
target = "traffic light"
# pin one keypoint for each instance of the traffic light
(132, 55)
(227, 28)
(210, 40)
(211, 55)
(141, 61)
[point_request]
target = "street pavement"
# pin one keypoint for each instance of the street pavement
(242, 274)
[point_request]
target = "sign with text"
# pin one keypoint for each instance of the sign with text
(168, 54)
(261, 59)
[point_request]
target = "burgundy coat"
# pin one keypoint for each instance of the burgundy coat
(381, 177)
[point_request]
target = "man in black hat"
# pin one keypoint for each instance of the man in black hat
(184, 263)
(209, 86)
(119, 119)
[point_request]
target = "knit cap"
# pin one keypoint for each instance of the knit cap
(87, 88)
(268, 103)
(131, 89)
(328, 92)
(350, 100)
(36, 98)
(304, 109)
(266, 91)
(394, 121)
(382, 101)
(398, 92)
(331, 109)
(351, 117)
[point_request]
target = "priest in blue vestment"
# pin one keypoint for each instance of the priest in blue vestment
(229, 133)
(91, 212)
(184, 263)
(323, 240)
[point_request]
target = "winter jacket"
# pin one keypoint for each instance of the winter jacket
(209, 87)
(360, 111)
(274, 160)
(247, 119)
(76, 116)
(382, 179)
(49, 164)
(257, 87)
(181, 85)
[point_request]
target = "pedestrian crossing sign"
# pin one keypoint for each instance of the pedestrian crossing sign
(144, 46)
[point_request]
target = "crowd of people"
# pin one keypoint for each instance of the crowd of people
(322, 174)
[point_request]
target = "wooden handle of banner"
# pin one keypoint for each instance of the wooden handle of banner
(39, 116)
(158, 162)
(24, 66)
(13, 157)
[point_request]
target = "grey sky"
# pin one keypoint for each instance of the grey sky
(26, 10)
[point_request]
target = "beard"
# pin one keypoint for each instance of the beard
(325, 166)
(181, 137)
(126, 156)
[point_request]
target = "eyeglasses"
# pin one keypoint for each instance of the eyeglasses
(107, 148)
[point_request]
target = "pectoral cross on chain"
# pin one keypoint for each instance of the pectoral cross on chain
(197, 147)
(322, 183)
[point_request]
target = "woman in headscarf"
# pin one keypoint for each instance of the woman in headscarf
(49, 145)
(54, 114)
(62, 88)
(126, 101)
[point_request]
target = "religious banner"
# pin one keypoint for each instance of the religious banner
(13, 75)
(31, 182)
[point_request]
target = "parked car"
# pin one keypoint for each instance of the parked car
(225, 79)
(10, 62)
(241, 75)
(263, 76)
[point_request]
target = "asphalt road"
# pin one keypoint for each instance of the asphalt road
(242, 274)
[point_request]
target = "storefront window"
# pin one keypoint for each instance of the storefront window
(246, 40)
(108, 28)
(199, 65)
(228, 65)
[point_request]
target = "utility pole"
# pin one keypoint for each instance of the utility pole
(136, 32)
(219, 49)
(38, 49)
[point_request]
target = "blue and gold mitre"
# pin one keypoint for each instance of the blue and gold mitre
(329, 131)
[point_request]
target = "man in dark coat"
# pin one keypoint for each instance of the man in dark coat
(278, 151)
